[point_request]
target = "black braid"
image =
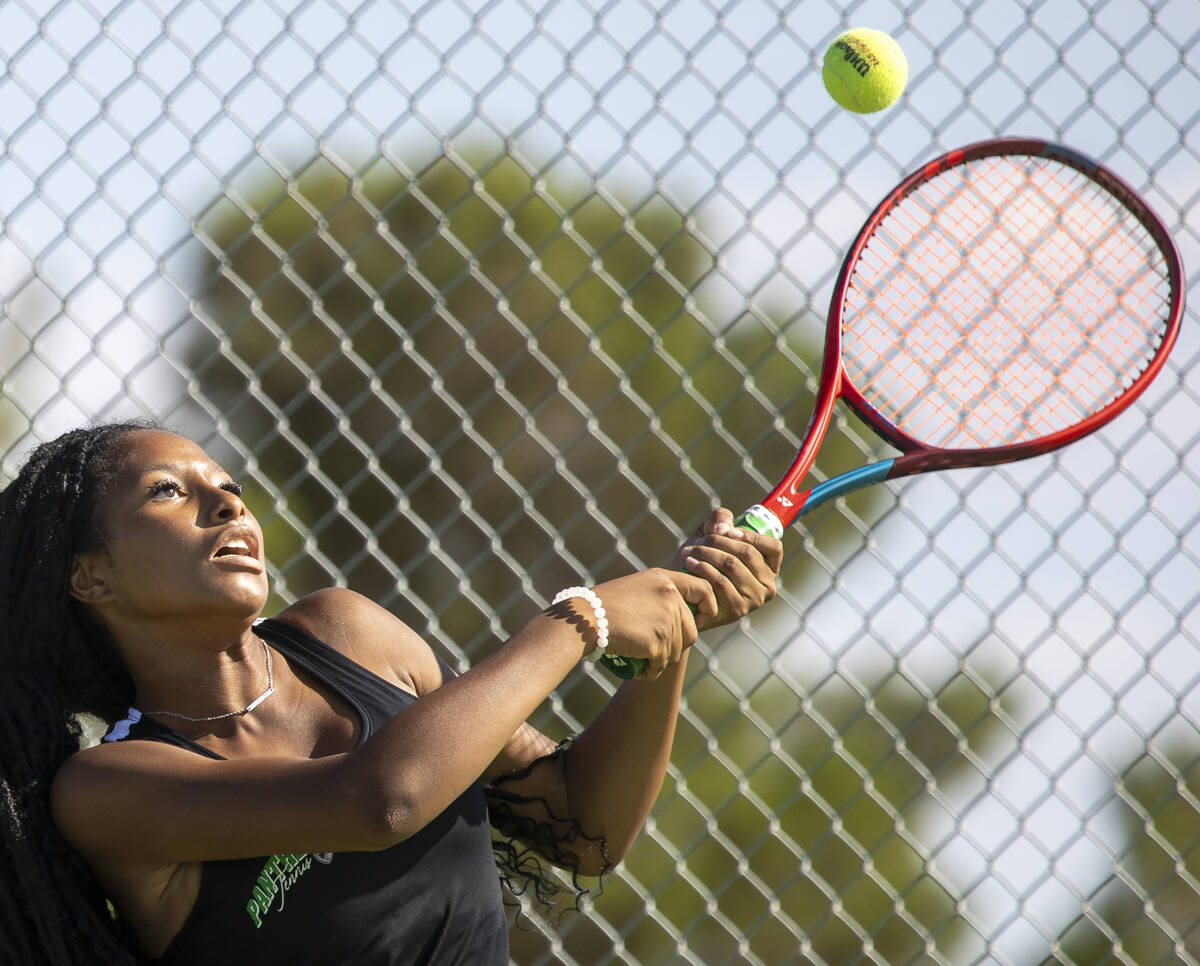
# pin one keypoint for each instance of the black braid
(55, 662)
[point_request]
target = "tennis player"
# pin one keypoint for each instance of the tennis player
(312, 788)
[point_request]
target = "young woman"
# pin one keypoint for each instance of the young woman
(313, 788)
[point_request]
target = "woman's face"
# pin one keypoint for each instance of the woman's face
(178, 541)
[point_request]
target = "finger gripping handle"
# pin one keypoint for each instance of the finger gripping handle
(759, 519)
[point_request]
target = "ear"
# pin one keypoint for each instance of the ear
(87, 583)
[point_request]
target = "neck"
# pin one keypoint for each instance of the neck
(196, 677)
(266, 692)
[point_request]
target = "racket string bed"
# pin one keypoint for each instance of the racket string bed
(1002, 304)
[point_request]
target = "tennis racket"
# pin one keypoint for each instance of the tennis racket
(1004, 300)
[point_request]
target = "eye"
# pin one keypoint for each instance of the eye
(165, 487)
(232, 487)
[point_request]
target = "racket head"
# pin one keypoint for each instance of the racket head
(1002, 301)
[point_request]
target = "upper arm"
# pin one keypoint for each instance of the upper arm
(532, 798)
(154, 803)
(149, 802)
(525, 747)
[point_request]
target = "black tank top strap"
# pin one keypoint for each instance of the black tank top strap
(135, 726)
(375, 699)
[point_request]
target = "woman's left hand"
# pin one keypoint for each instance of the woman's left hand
(740, 564)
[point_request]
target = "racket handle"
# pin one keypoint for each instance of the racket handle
(759, 519)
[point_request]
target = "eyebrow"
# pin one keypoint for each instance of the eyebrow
(177, 468)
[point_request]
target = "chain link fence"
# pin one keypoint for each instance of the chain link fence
(484, 299)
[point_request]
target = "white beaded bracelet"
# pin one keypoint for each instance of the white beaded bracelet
(597, 611)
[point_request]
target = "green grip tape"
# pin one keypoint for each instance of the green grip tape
(759, 519)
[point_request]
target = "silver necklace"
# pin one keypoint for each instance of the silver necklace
(233, 714)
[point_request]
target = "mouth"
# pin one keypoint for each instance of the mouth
(239, 547)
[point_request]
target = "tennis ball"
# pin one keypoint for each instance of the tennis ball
(864, 70)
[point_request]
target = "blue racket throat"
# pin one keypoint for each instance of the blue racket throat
(846, 483)
(759, 519)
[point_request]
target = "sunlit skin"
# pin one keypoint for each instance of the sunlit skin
(178, 583)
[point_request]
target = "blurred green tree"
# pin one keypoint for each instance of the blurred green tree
(465, 387)
(493, 377)
(1147, 911)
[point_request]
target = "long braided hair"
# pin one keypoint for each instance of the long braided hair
(55, 663)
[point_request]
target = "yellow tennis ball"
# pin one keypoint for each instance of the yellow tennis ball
(864, 70)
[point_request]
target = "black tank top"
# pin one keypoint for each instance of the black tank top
(432, 899)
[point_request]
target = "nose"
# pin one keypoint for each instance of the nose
(227, 506)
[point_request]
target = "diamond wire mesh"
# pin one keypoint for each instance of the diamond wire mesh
(490, 298)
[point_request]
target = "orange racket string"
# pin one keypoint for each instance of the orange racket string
(1004, 300)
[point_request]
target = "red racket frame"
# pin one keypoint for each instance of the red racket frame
(787, 501)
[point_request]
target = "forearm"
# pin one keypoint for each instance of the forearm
(606, 783)
(615, 768)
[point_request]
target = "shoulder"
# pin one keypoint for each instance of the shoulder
(369, 635)
(97, 764)
(93, 788)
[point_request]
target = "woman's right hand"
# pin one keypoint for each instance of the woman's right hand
(649, 616)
